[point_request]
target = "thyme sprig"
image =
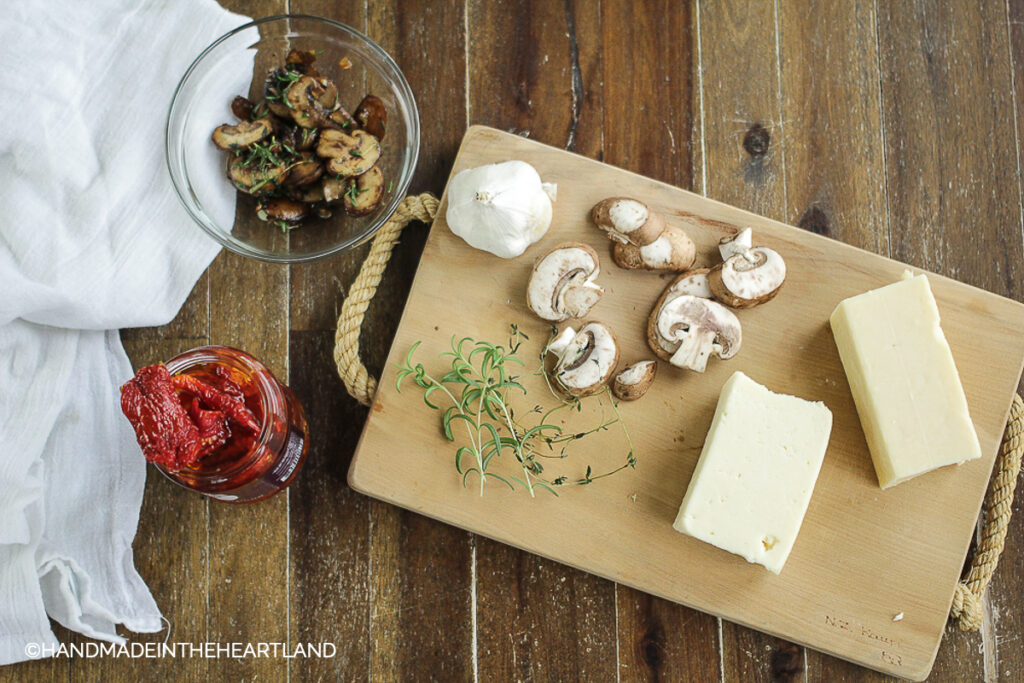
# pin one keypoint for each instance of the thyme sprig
(479, 387)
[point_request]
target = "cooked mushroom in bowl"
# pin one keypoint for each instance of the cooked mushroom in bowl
(299, 151)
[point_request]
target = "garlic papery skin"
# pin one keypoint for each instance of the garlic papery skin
(502, 208)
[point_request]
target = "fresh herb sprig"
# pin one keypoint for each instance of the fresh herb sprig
(479, 388)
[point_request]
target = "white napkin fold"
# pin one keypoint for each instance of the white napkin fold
(92, 239)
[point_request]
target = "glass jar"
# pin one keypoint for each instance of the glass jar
(246, 469)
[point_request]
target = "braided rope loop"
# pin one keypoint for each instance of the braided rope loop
(967, 605)
(346, 339)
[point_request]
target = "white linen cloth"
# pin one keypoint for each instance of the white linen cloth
(92, 238)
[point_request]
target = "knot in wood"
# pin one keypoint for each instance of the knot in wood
(814, 220)
(756, 140)
(787, 663)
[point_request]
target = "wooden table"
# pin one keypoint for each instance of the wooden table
(889, 125)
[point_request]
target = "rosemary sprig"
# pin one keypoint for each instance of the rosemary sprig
(479, 388)
(353, 192)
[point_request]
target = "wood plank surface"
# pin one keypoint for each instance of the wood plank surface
(644, 52)
(744, 164)
(844, 607)
(953, 199)
(1004, 598)
(893, 126)
(530, 73)
(832, 139)
(330, 526)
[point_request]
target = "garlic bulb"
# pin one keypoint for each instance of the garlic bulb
(501, 208)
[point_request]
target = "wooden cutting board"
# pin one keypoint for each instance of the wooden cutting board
(863, 555)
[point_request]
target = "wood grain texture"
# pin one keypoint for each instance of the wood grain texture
(744, 165)
(921, 135)
(248, 555)
(929, 519)
(1006, 663)
(530, 73)
(644, 52)
(329, 526)
(422, 571)
(952, 176)
(832, 139)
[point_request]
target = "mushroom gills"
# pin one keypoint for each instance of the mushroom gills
(691, 329)
(562, 283)
(695, 349)
(587, 361)
(576, 294)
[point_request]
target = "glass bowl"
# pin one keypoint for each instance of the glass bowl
(237, 64)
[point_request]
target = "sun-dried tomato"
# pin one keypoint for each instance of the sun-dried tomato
(213, 429)
(165, 432)
(225, 383)
(233, 407)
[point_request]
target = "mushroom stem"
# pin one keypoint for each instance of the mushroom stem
(695, 349)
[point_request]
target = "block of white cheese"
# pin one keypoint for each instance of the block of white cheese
(756, 472)
(904, 381)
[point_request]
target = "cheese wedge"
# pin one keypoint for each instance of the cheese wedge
(904, 381)
(756, 473)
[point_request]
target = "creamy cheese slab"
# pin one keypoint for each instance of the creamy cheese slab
(904, 381)
(756, 473)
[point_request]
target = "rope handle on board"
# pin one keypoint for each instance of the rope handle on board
(966, 609)
(353, 373)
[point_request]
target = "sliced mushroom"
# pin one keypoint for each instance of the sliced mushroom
(559, 344)
(627, 221)
(587, 361)
(301, 60)
(304, 172)
(304, 105)
(242, 134)
(342, 118)
(688, 330)
(329, 97)
(334, 188)
(241, 107)
(737, 243)
(255, 181)
(364, 193)
(372, 116)
(300, 139)
(673, 251)
(562, 283)
(273, 94)
(311, 194)
(282, 209)
(633, 382)
(693, 282)
(348, 155)
(748, 279)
